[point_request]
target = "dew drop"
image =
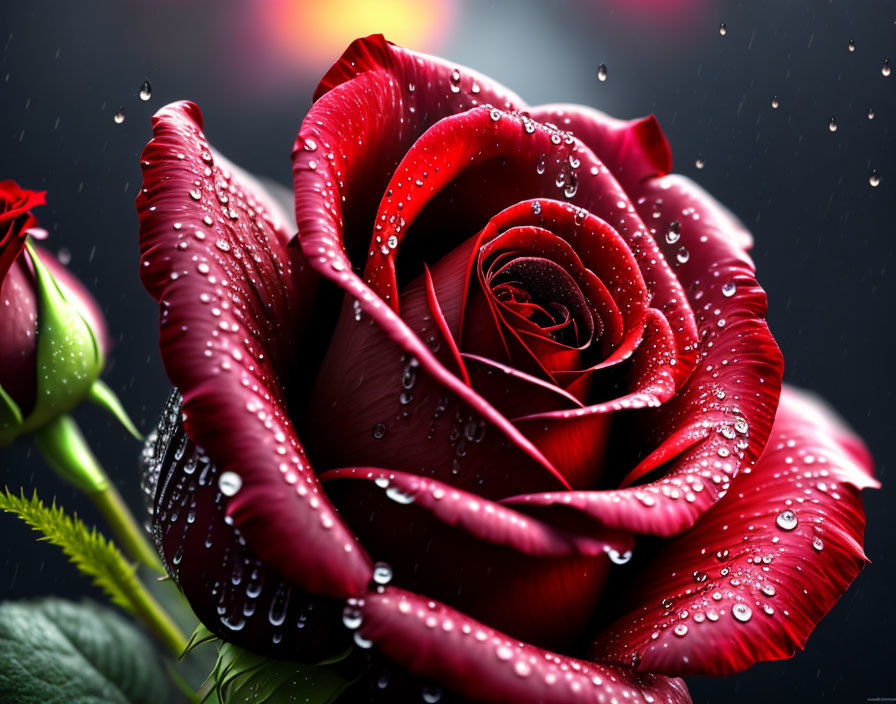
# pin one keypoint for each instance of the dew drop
(536, 207)
(145, 90)
(378, 431)
(680, 630)
(602, 72)
(119, 116)
(431, 694)
(229, 483)
(729, 289)
(351, 617)
(742, 612)
(786, 520)
(619, 558)
(361, 641)
(382, 573)
(673, 234)
(683, 255)
(817, 543)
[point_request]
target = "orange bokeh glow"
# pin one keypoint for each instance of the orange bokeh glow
(315, 31)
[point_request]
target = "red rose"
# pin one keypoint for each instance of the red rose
(503, 345)
(52, 332)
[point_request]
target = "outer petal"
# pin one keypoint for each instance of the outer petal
(752, 578)
(235, 595)
(484, 519)
(214, 255)
(484, 665)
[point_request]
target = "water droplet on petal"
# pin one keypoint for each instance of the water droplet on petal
(378, 431)
(382, 573)
(742, 612)
(786, 520)
(229, 483)
(729, 289)
(818, 543)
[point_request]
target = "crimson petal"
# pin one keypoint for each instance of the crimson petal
(484, 519)
(752, 578)
(232, 299)
(484, 665)
(235, 595)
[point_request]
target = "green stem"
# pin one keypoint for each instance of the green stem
(156, 619)
(124, 526)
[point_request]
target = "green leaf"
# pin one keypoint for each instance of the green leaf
(90, 552)
(241, 677)
(57, 652)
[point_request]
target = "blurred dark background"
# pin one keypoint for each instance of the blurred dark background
(825, 237)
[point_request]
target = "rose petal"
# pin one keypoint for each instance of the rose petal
(232, 299)
(752, 578)
(484, 519)
(484, 665)
(373, 405)
(236, 596)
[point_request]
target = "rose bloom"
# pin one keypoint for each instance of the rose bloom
(507, 405)
(52, 333)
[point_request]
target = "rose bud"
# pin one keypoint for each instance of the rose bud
(510, 366)
(52, 345)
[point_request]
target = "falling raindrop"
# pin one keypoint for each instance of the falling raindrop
(602, 73)
(699, 163)
(870, 113)
(119, 116)
(852, 45)
(145, 90)
(874, 179)
(885, 69)
(775, 102)
(723, 29)
(833, 126)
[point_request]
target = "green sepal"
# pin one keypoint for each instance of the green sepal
(242, 677)
(66, 451)
(69, 359)
(10, 413)
(101, 395)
